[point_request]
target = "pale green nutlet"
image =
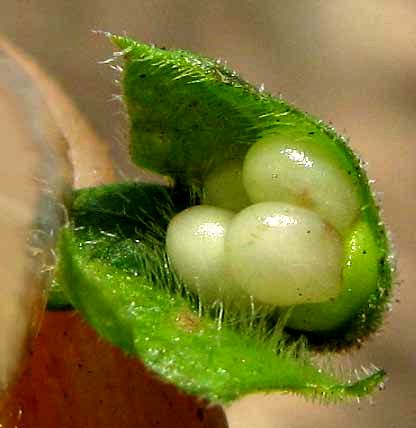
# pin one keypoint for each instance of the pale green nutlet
(360, 265)
(195, 247)
(298, 171)
(190, 118)
(284, 255)
(224, 188)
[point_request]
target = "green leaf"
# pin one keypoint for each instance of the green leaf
(189, 115)
(113, 267)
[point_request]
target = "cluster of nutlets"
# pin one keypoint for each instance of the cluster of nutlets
(276, 227)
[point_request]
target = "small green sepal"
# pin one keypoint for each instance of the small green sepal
(113, 267)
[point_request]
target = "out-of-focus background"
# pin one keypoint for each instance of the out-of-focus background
(352, 63)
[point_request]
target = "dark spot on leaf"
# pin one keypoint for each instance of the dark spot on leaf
(142, 76)
(187, 321)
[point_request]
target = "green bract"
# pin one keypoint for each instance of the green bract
(224, 143)
(113, 267)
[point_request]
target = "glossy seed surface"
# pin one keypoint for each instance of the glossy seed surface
(283, 255)
(224, 188)
(285, 169)
(195, 247)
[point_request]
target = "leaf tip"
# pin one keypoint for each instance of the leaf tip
(366, 386)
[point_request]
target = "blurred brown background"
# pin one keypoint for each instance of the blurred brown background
(352, 63)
